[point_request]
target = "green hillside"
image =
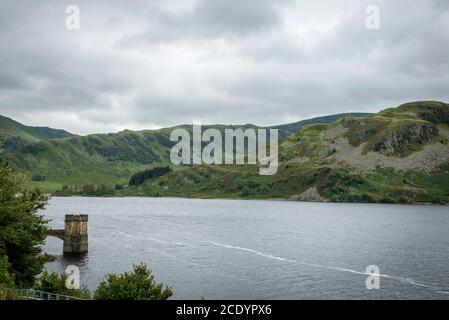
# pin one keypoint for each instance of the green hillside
(14, 135)
(94, 159)
(290, 128)
(398, 155)
(97, 159)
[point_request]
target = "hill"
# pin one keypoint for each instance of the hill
(399, 155)
(93, 159)
(97, 159)
(290, 128)
(15, 135)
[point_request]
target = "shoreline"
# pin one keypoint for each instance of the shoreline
(250, 199)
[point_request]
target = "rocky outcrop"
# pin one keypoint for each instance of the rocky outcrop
(436, 113)
(403, 139)
(349, 122)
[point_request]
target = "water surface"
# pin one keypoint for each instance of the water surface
(236, 249)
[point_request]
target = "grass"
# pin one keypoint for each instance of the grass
(405, 134)
(45, 186)
(387, 185)
(112, 159)
(11, 128)
(306, 143)
(334, 183)
(366, 130)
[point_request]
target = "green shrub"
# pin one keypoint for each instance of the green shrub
(7, 294)
(56, 283)
(6, 278)
(38, 177)
(138, 284)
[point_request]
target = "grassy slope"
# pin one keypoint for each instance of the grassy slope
(333, 181)
(96, 159)
(291, 128)
(404, 130)
(11, 128)
(111, 159)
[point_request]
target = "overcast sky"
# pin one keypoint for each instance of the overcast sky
(148, 64)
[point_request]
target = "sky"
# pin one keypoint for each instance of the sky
(150, 64)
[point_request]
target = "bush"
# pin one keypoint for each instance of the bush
(7, 294)
(6, 278)
(56, 283)
(38, 177)
(138, 284)
(93, 190)
(246, 192)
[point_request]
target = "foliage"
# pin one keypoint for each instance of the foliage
(56, 283)
(98, 159)
(314, 157)
(6, 278)
(38, 177)
(136, 285)
(86, 190)
(140, 177)
(22, 231)
(7, 294)
(92, 190)
(119, 187)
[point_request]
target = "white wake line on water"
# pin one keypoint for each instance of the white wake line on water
(269, 256)
(181, 244)
(127, 235)
(185, 261)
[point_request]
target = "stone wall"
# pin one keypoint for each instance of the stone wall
(75, 234)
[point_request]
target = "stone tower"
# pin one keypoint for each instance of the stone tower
(75, 234)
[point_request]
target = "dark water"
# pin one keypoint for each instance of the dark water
(230, 249)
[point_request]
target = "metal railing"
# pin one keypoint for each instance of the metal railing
(40, 295)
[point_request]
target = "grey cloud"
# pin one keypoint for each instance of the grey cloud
(161, 63)
(247, 16)
(11, 80)
(210, 19)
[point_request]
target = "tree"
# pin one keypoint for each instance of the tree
(136, 285)
(6, 278)
(139, 178)
(22, 231)
(38, 177)
(56, 283)
(88, 190)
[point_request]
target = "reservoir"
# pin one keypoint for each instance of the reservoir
(238, 249)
